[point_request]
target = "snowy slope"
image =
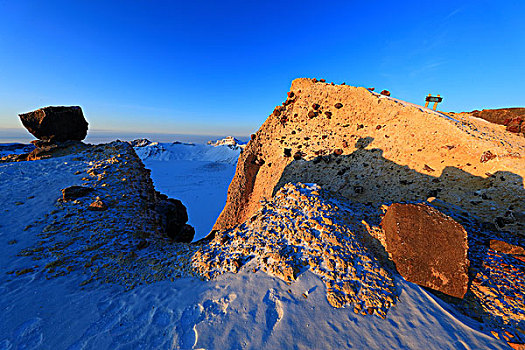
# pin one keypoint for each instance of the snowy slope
(14, 148)
(197, 174)
(243, 311)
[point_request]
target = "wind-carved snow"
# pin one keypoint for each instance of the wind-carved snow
(299, 230)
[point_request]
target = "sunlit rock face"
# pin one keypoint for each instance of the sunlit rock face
(512, 118)
(375, 149)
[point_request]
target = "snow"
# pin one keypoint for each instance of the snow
(196, 174)
(235, 311)
(228, 141)
(14, 148)
(188, 151)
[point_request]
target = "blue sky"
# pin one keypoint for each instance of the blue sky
(210, 67)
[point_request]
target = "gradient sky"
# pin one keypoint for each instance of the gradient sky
(220, 67)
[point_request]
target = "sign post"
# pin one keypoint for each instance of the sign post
(435, 99)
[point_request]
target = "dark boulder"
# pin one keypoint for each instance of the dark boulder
(56, 123)
(385, 93)
(74, 192)
(174, 217)
(428, 247)
(186, 234)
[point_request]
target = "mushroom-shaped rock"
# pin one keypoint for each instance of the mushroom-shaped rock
(56, 123)
(428, 247)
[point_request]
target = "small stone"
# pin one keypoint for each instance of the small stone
(315, 106)
(98, 205)
(338, 152)
(142, 244)
(429, 169)
(385, 93)
(486, 156)
(516, 346)
(298, 155)
(312, 114)
(74, 192)
(338, 105)
(507, 248)
(287, 152)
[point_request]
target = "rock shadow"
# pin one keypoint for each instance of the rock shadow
(365, 176)
(489, 207)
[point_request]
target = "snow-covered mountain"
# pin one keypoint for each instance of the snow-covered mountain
(222, 153)
(197, 174)
(230, 141)
(139, 142)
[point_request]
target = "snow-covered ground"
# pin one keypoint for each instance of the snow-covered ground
(197, 174)
(15, 148)
(236, 311)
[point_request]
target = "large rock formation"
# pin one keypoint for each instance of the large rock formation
(56, 123)
(428, 247)
(372, 148)
(512, 118)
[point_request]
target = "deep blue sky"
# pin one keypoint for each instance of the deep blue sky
(220, 67)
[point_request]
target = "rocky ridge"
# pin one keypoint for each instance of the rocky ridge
(512, 118)
(124, 239)
(372, 148)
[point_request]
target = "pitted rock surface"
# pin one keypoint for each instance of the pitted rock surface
(392, 151)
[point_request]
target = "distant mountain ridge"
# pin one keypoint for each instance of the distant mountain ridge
(228, 141)
(223, 151)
